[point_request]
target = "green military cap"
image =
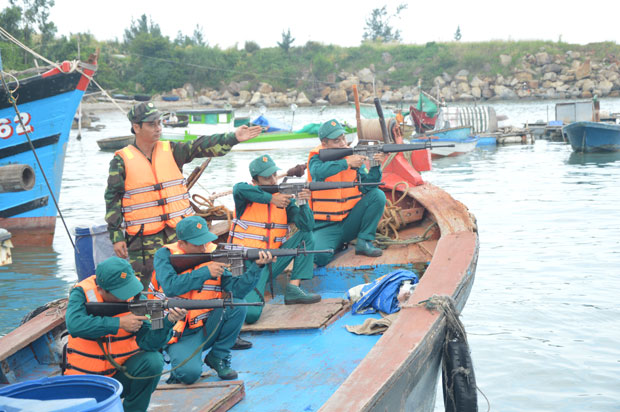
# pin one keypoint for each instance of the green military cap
(115, 275)
(263, 166)
(331, 129)
(143, 112)
(194, 230)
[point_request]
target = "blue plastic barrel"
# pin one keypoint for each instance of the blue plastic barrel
(74, 393)
(92, 246)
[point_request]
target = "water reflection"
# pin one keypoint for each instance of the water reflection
(576, 158)
(30, 281)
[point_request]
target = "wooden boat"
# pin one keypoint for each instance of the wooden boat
(112, 144)
(303, 358)
(47, 104)
(593, 136)
(173, 120)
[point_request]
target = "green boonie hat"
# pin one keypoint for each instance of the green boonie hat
(263, 166)
(194, 230)
(143, 112)
(115, 275)
(331, 129)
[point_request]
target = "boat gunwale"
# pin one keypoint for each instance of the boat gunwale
(367, 386)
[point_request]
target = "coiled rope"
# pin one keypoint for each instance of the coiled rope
(206, 208)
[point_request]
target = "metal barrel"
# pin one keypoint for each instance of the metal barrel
(334, 154)
(252, 254)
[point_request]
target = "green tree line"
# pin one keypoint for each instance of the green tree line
(146, 61)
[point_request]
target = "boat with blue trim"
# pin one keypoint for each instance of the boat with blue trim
(460, 137)
(303, 357)
(589, 137)
(46, 104)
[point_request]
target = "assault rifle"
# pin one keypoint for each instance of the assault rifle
(293, 188)
(234, 255)
(371, 147)
(155, 307)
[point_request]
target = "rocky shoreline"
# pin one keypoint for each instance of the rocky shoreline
(573, 75)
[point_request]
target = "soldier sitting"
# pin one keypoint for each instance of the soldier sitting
(262, 222)
(343, 215)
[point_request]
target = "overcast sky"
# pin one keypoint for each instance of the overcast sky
(226, 23)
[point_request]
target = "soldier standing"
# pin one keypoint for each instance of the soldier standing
(147, 194)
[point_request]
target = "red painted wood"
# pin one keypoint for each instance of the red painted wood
(30, 231)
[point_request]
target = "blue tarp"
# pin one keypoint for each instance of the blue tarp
(381, 295)
(272, 124)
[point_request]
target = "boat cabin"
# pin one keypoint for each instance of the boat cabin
(199, 122)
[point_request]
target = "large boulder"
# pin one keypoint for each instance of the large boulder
(337, 97)
(302, 100)
(583, 70)
(256, 98)
(265, 88)
(542, 58)
(366, 75)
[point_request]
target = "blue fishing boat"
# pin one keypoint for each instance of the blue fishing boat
(46, 104)
(593, 136)
(303, 356)
(460, 137)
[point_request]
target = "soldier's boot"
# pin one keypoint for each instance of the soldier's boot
(295, 294)
(364, 247)
(221, 366)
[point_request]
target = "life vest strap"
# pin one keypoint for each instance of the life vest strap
(242, 236)
(246, 223)
(102, 357)
(160, 218)
(158, 186)
(346, 199)
(212, 288)
(158, 202)
(199, 318)
(105, 372)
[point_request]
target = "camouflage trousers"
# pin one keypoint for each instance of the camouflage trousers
(142, 250)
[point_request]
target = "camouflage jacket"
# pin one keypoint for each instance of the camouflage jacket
(205, 146)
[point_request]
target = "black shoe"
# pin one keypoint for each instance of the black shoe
(241, 344)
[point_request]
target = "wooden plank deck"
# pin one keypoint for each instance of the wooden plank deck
(198, 397)
(289, 317)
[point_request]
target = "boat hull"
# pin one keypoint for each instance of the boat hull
(47, 105)
(592, 137)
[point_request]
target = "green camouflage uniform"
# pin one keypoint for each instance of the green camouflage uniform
(142, 248)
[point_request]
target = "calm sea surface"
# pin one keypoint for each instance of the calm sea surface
(543, 318)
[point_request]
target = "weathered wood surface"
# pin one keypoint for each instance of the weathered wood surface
(408, 347)
(395, 255)
(288, 317)
(198, 397)
(30, 331)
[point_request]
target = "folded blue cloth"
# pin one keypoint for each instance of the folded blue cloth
(381, 294)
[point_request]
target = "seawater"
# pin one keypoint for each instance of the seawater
(542, 318)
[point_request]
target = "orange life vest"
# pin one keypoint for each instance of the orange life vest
(211, 289)
(334, 204)
(262, 226)
(85, 356)
(155, 192)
